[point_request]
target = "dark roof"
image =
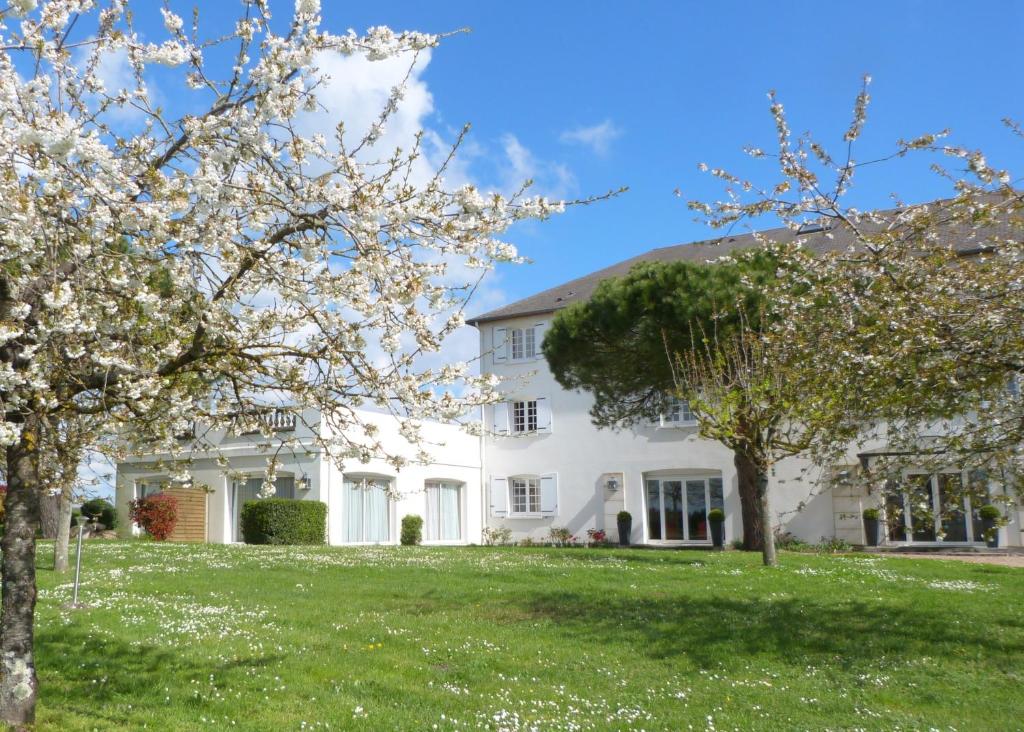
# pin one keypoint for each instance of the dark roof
(839, 237)
(702, 251)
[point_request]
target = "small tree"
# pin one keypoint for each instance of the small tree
(157, 514)
(916, 310)
(746, 392)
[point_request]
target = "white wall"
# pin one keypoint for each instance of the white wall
(456, 458)
(584, 457)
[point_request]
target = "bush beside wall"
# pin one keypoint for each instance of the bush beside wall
(412, 530)
(284, 521)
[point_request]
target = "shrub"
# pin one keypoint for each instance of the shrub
(156, 514)
(832, 545)
(737, 543)
(497, 536)
(624, 516)
(412, 530)
(789, 542)
(284, 521)
(990, 512)
(871, 514)
(597, 537)
(101, 510)
(561, 536)
(716, 515)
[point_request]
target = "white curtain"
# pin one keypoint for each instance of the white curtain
(451, 521)
(376, 510)
(367, 512)
(444, 522)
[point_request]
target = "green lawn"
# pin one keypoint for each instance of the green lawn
(181, 637)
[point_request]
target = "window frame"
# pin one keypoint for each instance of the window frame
(525, 339)
(460, 486)
(681, 407)
(526, 412)
(531, 498)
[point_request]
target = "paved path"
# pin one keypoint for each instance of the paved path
(1004, 560)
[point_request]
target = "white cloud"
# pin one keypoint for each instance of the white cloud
(550, 179)
(597, 137)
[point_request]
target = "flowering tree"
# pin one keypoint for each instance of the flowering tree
(165, 268)
(916, 311)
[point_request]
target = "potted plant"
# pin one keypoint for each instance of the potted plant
(990, 516)
(625, 525)
(716, 517)
(871, 526)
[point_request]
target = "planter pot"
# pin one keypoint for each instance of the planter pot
(625, 527)
(990, 531)
(718, 534)
(871, 531)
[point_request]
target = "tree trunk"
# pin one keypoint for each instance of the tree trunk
(747, 476)
(18, 683)
(49, 515)
(60, 549)
(764, 503)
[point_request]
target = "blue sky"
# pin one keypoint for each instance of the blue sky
(684, 82)
(676, 83)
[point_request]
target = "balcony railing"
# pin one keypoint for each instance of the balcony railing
(276, 420)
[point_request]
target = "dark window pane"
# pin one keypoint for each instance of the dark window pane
(653, 510)
(696, 510)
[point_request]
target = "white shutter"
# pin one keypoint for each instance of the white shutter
(549, 494)
(499, 497)
(500, 344)
(543, 414)
(500, 424)
(538, 339)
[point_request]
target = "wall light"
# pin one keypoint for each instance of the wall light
(612, 484)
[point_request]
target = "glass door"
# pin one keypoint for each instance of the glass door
(677, 508)
(934, 508)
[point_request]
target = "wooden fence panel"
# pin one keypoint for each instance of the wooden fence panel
(191, 513)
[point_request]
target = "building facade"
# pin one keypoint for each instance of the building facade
(542, 464)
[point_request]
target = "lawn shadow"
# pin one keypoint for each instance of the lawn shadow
(95, 672)
(710, 631)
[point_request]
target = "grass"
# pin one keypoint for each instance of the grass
(185, 637)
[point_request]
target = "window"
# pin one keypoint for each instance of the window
(678, 414)
(525, 495)
(524, 416)
(149, 486)
(524, 343)
(677, 508)
(517, 344)
(250, 488)
(367, 510)
(444, 511)
(941, 507)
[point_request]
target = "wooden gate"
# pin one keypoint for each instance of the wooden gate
(191, 524)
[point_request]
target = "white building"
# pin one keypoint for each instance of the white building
(547, 465)
(365, 503)
(544, 465)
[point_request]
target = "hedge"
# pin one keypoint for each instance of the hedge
(412, 530)
(102, 510)
(284, 521)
